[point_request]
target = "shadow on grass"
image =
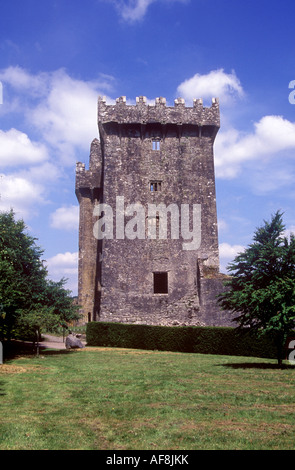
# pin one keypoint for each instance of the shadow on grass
(17, 348)
(54, 352)
(2, 393)
(257, 365)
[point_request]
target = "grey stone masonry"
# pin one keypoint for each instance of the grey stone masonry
(158, 260)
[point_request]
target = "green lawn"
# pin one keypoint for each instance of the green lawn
(122, 399)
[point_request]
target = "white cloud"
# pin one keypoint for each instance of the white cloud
(215, 84)
(65, 218)
(60, 112)
(66, 260)
(289, 231)
(271, 140)
(271, 135)
(60, 109)
(135, 10)
(46, 172)
(67, 117)
(274, 176)
(222, 225)
(23, 81)
(64, 265)
(27, 189)
(227, 253)
(17, 149)
(20, 194)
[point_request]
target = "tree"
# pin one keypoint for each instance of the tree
(37, 319)
(60, 301)
(261, 288)
(22, 273)
(25, 291)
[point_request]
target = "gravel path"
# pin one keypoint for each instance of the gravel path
(55, 342)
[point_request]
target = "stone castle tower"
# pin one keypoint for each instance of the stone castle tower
(148, 241)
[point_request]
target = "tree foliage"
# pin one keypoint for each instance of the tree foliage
(24, 287)
(38, 319)
(261, 289)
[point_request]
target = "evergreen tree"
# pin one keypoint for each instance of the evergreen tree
(261, 289)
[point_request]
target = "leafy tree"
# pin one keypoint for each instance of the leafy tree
(59, 300)
(37, 319)
(24, 287)
(22, 273)
(261, 288)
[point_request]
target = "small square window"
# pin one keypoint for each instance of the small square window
(155, 186)
(156, 145)
(160, 283)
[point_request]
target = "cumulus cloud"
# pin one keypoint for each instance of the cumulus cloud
(27, 189)
(64, 265)
(67, 116)
(135, 10)
(60, 109)
(215, 84)
(67, 261)
(222, 225)
(20, 194)
(271, 135)
(289, 231)
(227, 253)
(23, 81)
(46, 172)
(59, 113)
(17, 149)
(65, 218)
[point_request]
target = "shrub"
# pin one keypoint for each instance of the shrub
(189, 339)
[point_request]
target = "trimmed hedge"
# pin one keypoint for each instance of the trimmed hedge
(189, 339)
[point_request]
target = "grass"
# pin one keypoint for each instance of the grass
(122, 399)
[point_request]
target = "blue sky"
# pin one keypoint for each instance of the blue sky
(56, 57)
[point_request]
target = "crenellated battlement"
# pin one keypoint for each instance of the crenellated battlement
(143, 112)
(89, 181)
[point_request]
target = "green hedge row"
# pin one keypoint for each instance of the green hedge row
(190, 339)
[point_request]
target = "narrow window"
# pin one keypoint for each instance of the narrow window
(160, 283)
(153, 227)
(155, 186)
(156, 145)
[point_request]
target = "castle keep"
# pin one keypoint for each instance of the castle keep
(148, 240)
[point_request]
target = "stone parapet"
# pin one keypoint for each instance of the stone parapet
(144, 113)
(88, 182)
